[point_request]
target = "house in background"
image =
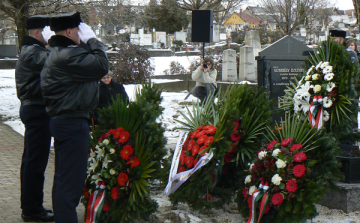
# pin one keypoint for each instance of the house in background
(238, 21)
(267, 20)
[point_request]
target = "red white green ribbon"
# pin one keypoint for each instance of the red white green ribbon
(258, 194)
(96, 203)
(316, 112)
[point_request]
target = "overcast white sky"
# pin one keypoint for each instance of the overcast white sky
(341, 4)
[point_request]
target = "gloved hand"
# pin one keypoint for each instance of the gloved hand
(47, 33)
(86, 32)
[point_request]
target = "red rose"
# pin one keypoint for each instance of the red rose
(189, 162)
(211, 129)
(191, 145)
(126, 152)
(124, 136)
(122, 179)
(134, 162)
(106, 206)
(201, 139)
(245, 192)
(272, 144)
(115, 193)
(299, 157)
(228, 156)
(181, 169)
(299, 170)
(86, 193)
(277, 199)
(236, 126)
(235, 137)
(195, 150)
(209, 140)
(295, 146)
(286, 142)
(291, 186)
(249, 201)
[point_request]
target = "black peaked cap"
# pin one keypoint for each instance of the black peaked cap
(65, 21)
(337, 33)
(37, 22)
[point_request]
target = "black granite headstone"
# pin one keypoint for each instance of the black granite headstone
(8, 51)
(278, 64)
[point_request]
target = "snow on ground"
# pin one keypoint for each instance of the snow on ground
(163, 63)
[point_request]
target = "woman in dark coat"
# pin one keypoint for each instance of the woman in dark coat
(109, 90)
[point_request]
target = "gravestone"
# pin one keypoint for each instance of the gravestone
(252, 38)
(247, 64)
(278, 64)
(229, 72)
(8, 51)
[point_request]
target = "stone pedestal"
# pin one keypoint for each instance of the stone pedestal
(247, 64)
(229, 72)
(346, 198)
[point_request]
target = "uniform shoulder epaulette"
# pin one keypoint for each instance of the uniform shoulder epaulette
(36, 44)
(73, 46)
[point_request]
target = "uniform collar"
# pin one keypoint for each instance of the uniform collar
(63, 41)
(29, 40)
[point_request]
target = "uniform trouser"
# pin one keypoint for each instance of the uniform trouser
(202, 92)
(35, 157)
(71, 153)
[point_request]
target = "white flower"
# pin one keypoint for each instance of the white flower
(276, 179)
(323, 65)
(317, 88)
(326, 116)
(276, 152)
(280, 163)
(318, 66)
(329, 76)
(247, 179)
(315, 77)
(106, 141)
(112, 172)
(309, 70)
(330, 86)
(251, 166)
(96, 177)
(112, 151)
(97, 147)
(92, 155)
(302, 98)
(327, 102)
(93, 165)
(327, 69)
(252, 189)
(106, 162)
(308, 77)
(262, 154)
(100, 153)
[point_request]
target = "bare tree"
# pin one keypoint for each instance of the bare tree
(290, 14)
(356, 4)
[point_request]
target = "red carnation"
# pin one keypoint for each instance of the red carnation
(286, 141)
(124, 136)
(209, 140)
(189, 162)
(122, 179)
(249, 201)
(277, 199)
(299, 170)
(195, 133)
(182, 157)
(106, 135)
(186, 143)
(115, 193)
(195, 161)
(199, 134)
(228, 156)
(245, 192)
(199, 128)
(134, 162)
(126, 152)
(203, 148)
(236, 126)
(211, 129)
(291, 185)
(235, 137)
(86, 193)
(195, 150)
(272, 144)
(181, 169)
(295, 146)
(117, 132)
(299, 157)
(202, 139)
(191, 145)
(106, 206)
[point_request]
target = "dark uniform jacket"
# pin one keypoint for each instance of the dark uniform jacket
(69, 79)
(27, 72)
(110, 91)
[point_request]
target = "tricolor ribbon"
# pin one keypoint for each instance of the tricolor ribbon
(96, 203)
(316, 112)
(259, 194)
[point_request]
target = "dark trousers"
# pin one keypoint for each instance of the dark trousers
(202, 92)
(35, 157)
(71, 153)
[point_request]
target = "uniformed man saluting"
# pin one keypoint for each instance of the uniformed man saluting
(69, 83)
(32, 113)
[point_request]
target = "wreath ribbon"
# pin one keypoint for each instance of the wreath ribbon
(316, 112)
(96, 203)
(259, 194)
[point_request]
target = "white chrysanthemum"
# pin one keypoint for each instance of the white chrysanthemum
(251, 166)
(309, 70)
(327, 102)
(276, 152)
(247, 179)
(112, 172)
(329, 76)
(252, 189)
(280, 164)
(326, 116)
(112, 151)
(327, 69)
(330, 86)
(318, 66)
(323, 65)
(106, 142)
(308, 77)
(317, 88)
(315, 77)
(262, 155)
(276, 179)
